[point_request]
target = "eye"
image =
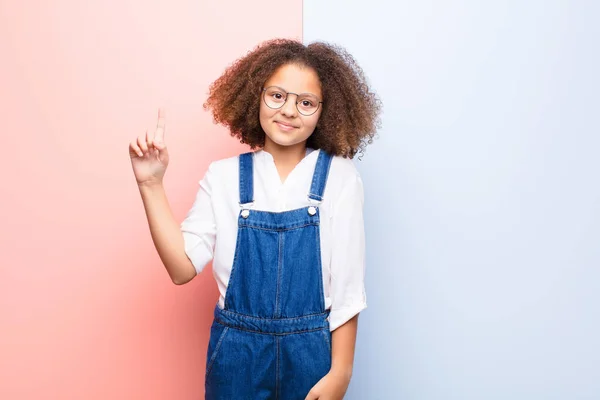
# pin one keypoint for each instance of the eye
(307, 103)
(277, 96)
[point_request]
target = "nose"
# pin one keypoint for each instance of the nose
(289, 107)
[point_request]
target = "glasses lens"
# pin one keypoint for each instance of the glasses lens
(274, 97)
(307, 104)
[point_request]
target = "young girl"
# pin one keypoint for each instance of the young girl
(283, 224)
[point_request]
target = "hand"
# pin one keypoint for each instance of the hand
(332, 386)
(149, 156)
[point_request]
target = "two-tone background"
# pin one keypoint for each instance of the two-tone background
(482, 193)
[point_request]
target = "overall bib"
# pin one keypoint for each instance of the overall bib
(272, 339)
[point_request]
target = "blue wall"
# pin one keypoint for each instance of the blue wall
(482, 197)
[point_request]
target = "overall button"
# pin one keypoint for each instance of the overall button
(245, 213)
(312, 210)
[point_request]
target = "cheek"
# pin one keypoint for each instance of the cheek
(265, 112)
(265, 115)
(311, 123)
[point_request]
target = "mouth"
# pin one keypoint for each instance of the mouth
(285, 126)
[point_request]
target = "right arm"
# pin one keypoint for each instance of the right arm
(166, 234)
(149, 159)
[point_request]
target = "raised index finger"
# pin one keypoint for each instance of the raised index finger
(159, 135)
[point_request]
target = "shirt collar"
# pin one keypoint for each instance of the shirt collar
(264, 155)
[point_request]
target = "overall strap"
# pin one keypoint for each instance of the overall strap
(320, 176)
(246, 178)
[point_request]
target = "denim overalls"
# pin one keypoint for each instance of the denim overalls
(272, 339)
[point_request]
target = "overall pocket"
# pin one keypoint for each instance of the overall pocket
(327, 334)
(217, 334)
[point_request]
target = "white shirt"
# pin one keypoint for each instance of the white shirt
(210, 227)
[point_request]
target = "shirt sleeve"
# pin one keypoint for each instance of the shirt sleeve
(199, 226)
(348, 295)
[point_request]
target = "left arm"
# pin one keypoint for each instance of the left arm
(347, 290)
(343, 340)
(333, 386)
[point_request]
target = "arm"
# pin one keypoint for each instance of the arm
(334, 385)
(347, 289)
(166, 234)
(343, 341)
(149, 159)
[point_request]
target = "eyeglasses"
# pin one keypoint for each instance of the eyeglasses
(306, 103)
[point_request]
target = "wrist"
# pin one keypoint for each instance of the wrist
(150, 190)
(150, 185)
(341, 371)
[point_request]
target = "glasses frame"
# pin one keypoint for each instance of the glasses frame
(264, 90)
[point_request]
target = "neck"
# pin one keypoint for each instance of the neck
(285, 157)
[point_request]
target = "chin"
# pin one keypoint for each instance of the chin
(285, 141)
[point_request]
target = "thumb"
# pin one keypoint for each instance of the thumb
(163, 153)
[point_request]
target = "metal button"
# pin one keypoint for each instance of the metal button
(245, 213)
(312, 210)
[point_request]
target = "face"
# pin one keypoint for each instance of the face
(287, 126)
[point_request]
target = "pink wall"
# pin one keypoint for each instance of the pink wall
(88, 311)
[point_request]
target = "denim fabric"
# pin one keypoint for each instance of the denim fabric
(272, 339)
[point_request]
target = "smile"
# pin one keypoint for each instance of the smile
(285, 127)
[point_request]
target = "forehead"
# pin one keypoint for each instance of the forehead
(296, 79)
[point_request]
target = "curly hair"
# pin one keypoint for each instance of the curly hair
(350, 116)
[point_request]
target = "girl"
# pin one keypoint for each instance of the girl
(283, 224)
